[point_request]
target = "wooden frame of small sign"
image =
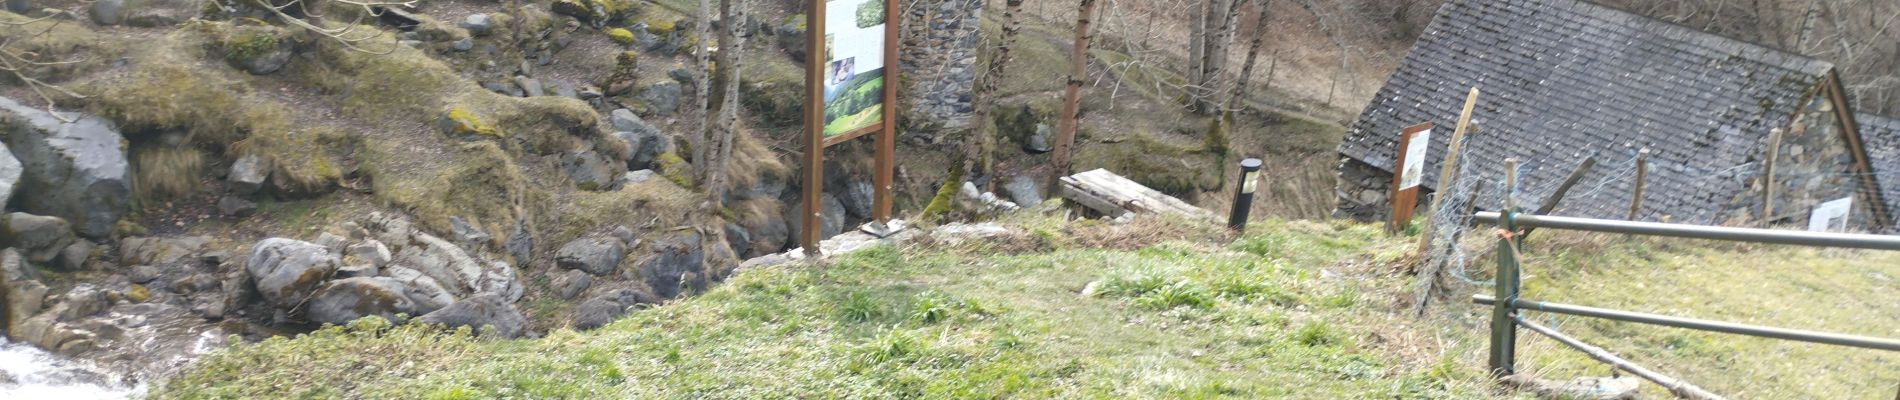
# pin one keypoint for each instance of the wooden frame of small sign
(830, 68)
(1408, 173)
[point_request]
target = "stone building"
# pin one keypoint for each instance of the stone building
(938, 60)
(1563, 80)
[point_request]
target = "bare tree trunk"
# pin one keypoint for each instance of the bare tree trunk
(979, 157)
(1209, 47)
(1071, 97)
(1239, 98)
(731, 62)
(703, 82)
(1197, 49)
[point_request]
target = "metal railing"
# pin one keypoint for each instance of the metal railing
(1508, 300)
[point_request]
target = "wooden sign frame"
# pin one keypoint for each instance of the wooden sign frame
(884, 163)
(1405, 199)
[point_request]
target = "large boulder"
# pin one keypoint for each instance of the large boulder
(598, 255)
(456, 270)
(663, 98)
(487, 313)
(591, 170)
(40, 238)
(73, 170)
(1024, 190)
(645, 141)
(287, 271)
(344, 300)
(858, 200)
(831, 218)
(677, 263)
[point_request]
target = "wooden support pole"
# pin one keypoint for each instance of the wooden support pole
(1642, 176)
(1675, 386)
(1503, 329)
(1768, 178)
(1550, 203)
(1071, 97)
(1445, 176)
(885, 162)
(814, 182)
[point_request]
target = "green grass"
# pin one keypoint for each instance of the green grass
(1173, 320)
(1798, 288)
(853, 122)
(1159, 310)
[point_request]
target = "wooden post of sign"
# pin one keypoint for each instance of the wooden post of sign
(809, 222)
(886, 159)
(1405, 199)
(1071, 99)
(1642, 176)
(1768, 178)
(1445, 177)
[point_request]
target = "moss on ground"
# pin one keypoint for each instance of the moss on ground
(1158, 163)
(481, 184)
(620, 35)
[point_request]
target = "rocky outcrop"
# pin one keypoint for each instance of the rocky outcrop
(344, 300)
(159, 250)
(39, 238)
(456, 270)
(248, 174)
(73, 170)
(19, 291)
(645, 141)
(592, 171)
(488, 314)
(287, 271)
(598, 255)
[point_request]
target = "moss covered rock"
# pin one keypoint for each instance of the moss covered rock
(620, 35)
(459, 120)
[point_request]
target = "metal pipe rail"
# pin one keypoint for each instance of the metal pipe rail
(1800, 238)
(1698, 324)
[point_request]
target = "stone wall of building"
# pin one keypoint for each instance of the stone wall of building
(938, 61)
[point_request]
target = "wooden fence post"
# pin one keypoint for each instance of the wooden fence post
(1768, 178)
(1642, 174)
(1445, 177)
(1550, 203)
(1503, 328)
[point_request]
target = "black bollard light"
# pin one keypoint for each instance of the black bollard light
(1243, 198)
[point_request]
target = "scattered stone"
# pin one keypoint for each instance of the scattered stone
(564, 88)
(463, 44)
(646, 144)
(456, 270)
(21, 294)
(370, 251)
(1038, 142)
(571, 283)
(738, 240)
(159, 250)
(143, 274)
(423, 286)
(159, 13)
(489, 315)
(107, 12)
(858, 199)
(591, 170)
(520, 243)
(466, 234)
(598, 255)
(504, 88)
(236, 207)
(77, 170)
(74, 256)
(636, 177)
(478, 24)
(389, 229)
(331, 242)
(663, 97)
(288, 270)
(39, 238)
(84, 300)
(531, 86)
(195, 283)
(1023, 190)
(607, 307)
(625, 234)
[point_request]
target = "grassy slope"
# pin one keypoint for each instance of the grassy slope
(1175, 320)
(1295, 309)
(1825, 290)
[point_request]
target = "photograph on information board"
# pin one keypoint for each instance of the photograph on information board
(854, 67)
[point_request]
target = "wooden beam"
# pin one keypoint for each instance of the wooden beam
(885, 162)
(814, 181)
(1850, 130)
(1642, 177)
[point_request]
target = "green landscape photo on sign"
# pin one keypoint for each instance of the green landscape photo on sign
(854, 66)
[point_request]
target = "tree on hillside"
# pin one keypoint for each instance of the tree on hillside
(1211, 37)
(1265, 15)
(979, 160)
(726, 125)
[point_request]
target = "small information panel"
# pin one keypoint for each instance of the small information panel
(850, 91)
(1415, 149)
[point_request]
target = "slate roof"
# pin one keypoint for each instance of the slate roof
(1881, 136)
(1566, 79)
